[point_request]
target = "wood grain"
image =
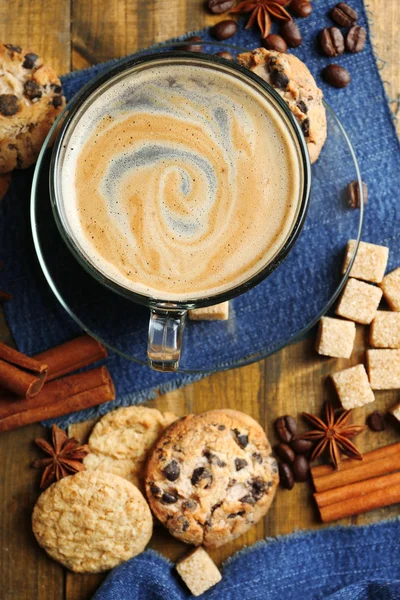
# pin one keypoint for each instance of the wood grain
(73, 34)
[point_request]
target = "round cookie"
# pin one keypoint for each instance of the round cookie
(210, 477)
(30, 101)
(121, 440)
(91, 522)
(290, 77)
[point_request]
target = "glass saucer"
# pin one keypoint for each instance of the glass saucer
(277, 312)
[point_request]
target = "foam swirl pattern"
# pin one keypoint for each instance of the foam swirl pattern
(180, 182)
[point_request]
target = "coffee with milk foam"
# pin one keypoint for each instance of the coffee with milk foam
(180, 181)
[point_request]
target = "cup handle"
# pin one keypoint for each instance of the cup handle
(165, 338)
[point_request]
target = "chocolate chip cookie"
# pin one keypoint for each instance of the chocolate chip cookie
(290, 77)
(30, 100)
(210, 477)
(91, 522)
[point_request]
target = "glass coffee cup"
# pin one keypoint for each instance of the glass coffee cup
(168, 313)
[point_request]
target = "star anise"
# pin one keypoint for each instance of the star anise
(262, 11)
(66, 455)
(333, 433)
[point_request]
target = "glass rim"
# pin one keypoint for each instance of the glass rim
(66, 118)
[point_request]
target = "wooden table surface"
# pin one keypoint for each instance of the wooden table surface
(73, 34)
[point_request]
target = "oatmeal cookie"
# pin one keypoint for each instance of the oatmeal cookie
(91, 522)
(290, 77)
(30, 100)
(121, 440)
(210, 477)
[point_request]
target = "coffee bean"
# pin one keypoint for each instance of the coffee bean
(285, 452)
(353, 194)
(301, 8)
(336, 76)
(356, 39)
(9, 105)
(286, 428)
(192, 47)
(332, 41)
(225, 55)
(275, 42)
(218, 7)
(240, 464)
(291, 34)
(344, 15)
(302, 446)
(172, 471)
(300, 467)
(376, 421)
(224, 29)
(286, 476)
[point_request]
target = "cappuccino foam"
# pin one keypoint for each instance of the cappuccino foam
(180, 181)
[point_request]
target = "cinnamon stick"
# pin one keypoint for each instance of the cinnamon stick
(72, 355)
(355, 490)
(387, 464)
(356, 506)
(19, 373)
(59, 397)
(349, 463)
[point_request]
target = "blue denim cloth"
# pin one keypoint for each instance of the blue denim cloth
(308, 274)
(340, 563)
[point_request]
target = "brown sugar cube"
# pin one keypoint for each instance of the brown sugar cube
(370, 262)
(359, 301)
(395, 411)
(218, 312)
(391, 289)
(385, 330)
(353, 387)
(384, 369)
(198, 571)
(335, 337)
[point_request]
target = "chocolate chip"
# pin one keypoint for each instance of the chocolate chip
(172, 471)
(248, 499)
(376, 421)
(224, 29)
(32, 89)
(355, 39)
(57, 88)
(213, 459)
(286, 476)
(189, 505)
(302, 106)
(199, 474)
(353, 194)
(221, 427)
(258, 488)
(291, 34)
(226, 56)
(30, 60)
(9, 105)
(240, 464)
(168, 498)
(13, 48)
(57, 101)
(273, 41)
(285, 428)
(305, 127)
(302, 446)
(300, 468)
(184, 523)
(301, 8)
(155, 490)
(285, 452)
(218, 7)
(279, 79)
(332, 41)
(240, 513)
(344, 15)
(257, 457)
(241, 438)
(336, 76)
